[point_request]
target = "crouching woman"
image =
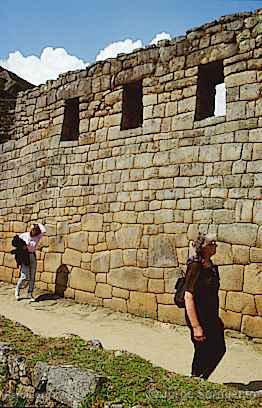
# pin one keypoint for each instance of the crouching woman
(28, 269)
(202, 308)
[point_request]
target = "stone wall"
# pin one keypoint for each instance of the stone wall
(44, 385)
(121, 206)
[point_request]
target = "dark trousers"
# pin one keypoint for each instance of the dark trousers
(209, 352)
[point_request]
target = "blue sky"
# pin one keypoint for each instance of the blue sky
(84, 27)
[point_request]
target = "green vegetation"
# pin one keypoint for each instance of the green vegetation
(129, 379)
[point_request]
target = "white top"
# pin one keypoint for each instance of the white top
(32, 242)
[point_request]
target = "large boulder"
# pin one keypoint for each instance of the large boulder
(66, 384)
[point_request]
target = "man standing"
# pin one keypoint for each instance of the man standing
(27, 272)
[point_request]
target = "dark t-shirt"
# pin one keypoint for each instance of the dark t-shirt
(203, 283)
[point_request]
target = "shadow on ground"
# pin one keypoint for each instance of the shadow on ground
(251, 386)
(47, 296)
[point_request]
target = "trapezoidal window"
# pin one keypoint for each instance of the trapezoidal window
(70, 129)
(132, 111)
(211, 100)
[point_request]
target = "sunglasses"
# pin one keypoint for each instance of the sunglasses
(212, 243)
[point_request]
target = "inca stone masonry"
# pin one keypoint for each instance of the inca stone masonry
(125, 162)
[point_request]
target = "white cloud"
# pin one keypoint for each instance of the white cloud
(118, 47)
(54, 61)
(37, 70)
(160, 36)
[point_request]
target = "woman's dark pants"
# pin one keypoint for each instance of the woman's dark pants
(209, 352)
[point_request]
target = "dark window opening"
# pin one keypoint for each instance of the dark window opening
(209, 76)
(70, 129)
(132, 111)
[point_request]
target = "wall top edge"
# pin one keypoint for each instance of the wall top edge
(91, 69)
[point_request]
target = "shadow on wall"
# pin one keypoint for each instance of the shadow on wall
(61, 280)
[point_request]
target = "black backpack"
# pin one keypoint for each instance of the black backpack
(179, 297)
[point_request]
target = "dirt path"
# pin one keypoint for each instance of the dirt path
(164, 345)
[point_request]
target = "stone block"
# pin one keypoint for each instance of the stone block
(257, 213)
(183, 121)
(240, 78)
(101, 277)
(2, 258)
(116, 259)
(103, 291)
(129, 236)
(81, 279)
(171, 108)
(163, 216)
(48, 277)
(231, 151)
(257, 151)
(9, 261)
(165, 298)
(259, 238)
(52, 262)
(209, 153)
(231, 277)
(256, 255)
(150, 99)
(100, 262)
(241, 303)
(240, 254)
(162, 251)
(143, 160)
(154, 273)
(210, 54)
(18, 227)
(151, 126)
(236, 110)
(6, 274)
(222, 298)
(71, 257)
(92, 222)
(184, 154)
(120, 293)
(244, 210)
(130, 257)
(78, 241)
(187, 105)
(156, 285)
(242, 234)
(119, 305)
(258, 302)
(62, 228)
(56, 244)
(231, 320)
(125, 217)
(250, 92)
(253, 279)
(224, 255)
(87, 298)
(129, 278)
(171, 314)
(142, 304)
(252, 326)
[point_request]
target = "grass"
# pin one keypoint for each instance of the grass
(130, 380)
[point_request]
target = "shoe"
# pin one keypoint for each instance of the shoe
(17, 297)
(31, 299)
